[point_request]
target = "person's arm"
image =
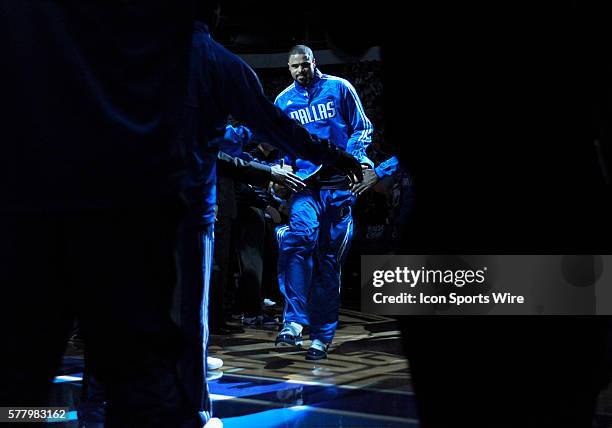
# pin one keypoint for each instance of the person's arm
(373, 176)
(247, 172)
(387, 167)
(250, 105)
(245, 100)
(256, 173)
(360, 132)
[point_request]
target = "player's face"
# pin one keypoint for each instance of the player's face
(302, 68)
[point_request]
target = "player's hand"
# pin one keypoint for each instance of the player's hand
(345, 162)
(272, 212)
(370, 178)
(349, 165)
(283, 177)
(333, 155)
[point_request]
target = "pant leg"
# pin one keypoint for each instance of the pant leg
(250, 240)
(35, 308)
(297, 243)
(220, 271)
(334, 242)
(190, 309)
(208, 240)
(124, 264)
(270, 270)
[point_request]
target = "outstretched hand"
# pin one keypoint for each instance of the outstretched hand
(349, 165)
(335, 156)
(286, 178)
(370, 178)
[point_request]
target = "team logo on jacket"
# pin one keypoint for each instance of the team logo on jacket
(314, 113)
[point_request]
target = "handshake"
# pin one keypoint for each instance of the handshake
(282, 175)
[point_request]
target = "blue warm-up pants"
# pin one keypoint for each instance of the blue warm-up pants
(313, 247)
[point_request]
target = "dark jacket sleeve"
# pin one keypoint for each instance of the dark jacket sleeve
(253, 173)
(244, 98)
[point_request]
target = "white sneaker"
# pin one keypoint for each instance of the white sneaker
(213, 363)
(214, 423)
(213, 375)
(268, 302)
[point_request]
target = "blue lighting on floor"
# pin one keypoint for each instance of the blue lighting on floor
(243, 388)
(76, 377)
(260, 394)
(241, 401)
(306, 416)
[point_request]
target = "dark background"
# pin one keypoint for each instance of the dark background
(495, 108)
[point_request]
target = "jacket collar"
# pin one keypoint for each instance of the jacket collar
(315, 79)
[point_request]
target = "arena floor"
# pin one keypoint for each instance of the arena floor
(365, 381)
